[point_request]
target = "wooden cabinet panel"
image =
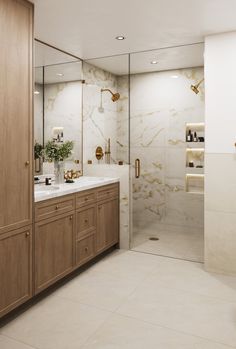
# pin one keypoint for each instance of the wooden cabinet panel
(51, 208)
(85, 221)
(107, 224)
(15, 268)
(16, 148)
(108, 191)
(54, 249)
(85, 250)
(86, 198)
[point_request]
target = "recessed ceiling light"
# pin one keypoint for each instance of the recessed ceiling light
(60, 74)
(154, 62)
(174, 76)
(36, 92)
(120, 37)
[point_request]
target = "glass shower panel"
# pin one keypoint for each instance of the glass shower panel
(106, 109)
(167, 220)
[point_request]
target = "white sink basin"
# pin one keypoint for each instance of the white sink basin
(40, 189)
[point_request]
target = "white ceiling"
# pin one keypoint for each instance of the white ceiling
(87, 28)
(167, 59)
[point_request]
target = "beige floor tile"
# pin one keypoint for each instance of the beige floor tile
(56, 323)
(188, 312)
(8, 343)
(127, 263)
(104, 290)
(127, 333)
(177, 244)
(192, 277)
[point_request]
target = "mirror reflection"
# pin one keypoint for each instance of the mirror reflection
(58, 107)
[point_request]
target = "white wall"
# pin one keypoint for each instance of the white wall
(220, 160)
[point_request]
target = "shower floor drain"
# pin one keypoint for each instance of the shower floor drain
(153, 239)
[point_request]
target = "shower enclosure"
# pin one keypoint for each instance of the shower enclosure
(146, 116)
(167, 217)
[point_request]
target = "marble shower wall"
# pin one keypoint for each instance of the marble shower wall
(112, 122)
(161, 105)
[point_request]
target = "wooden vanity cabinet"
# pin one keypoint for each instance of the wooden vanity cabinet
(16, 149)
(107, 224)
(107, 217)
(15, 268)
(16, 96)
(54, 249)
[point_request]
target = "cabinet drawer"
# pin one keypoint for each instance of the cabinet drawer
(108, 192)
(87, 198)
(50, 208)
(85, 221)
(85, 249)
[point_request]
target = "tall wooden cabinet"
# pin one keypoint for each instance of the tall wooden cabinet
(16, 40)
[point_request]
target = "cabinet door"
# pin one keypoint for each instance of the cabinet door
(54, 250)
(16, 18)
(108, 225)
(15, 268)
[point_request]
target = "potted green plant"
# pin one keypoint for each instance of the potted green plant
(58, 153)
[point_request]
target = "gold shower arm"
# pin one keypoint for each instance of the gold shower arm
(107, 89)
(199, 83)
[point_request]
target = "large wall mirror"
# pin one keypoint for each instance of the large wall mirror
(57, 105)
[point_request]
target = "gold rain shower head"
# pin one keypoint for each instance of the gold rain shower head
(115, 96)
(195, 88)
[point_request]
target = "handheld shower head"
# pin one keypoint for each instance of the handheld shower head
(115, 96)
(194, 89)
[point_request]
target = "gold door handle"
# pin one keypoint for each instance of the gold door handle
(27, 163)
(27, 234)
(137, 168)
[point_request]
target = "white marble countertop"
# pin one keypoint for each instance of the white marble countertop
(45, 192)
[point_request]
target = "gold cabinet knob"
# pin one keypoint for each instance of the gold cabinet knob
(27, 234)
(27, 163)
(86, 249)
(57, 207)
(86, 221)
(71, 217)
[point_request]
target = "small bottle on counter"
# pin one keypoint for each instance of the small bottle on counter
(195, 137)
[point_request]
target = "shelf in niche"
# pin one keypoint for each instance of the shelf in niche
(194, 170)
(194, 183)
(195, 126)
(195, 150)
(193, 145)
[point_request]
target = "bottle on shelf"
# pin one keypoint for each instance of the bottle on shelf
(189, 137)
(195, 137)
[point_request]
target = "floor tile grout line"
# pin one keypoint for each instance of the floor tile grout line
(19, 341)
(174, 330)
(86, 304)
(164, 285)
(165, 256)
(94, 333)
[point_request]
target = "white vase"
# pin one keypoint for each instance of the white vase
(59, 167)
